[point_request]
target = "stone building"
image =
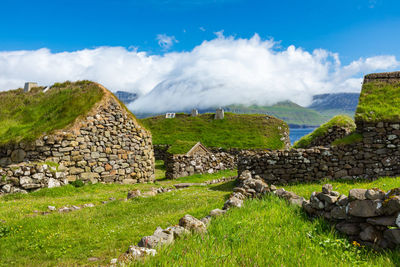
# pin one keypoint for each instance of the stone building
(29, 85)
(105, 145)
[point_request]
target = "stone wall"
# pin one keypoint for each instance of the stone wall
(160, 151)
(182, 165)
(389, 77)
(107, 145)
(334, 133)
(369, 217)
(376, 155)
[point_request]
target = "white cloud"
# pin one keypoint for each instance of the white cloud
(165, 41)
(219, 72)
(202, 29)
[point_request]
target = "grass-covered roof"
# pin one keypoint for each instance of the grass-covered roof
(234, 131)
(379, 101)
(25, 116)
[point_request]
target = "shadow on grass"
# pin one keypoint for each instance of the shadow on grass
(225, 187)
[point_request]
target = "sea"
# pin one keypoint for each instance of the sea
(297, 133)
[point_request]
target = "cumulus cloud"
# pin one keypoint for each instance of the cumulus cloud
(218, 72)
(165, 41)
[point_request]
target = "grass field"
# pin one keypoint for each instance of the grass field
(104, 231)
(270, 232)
(26, 116)
(234, 131)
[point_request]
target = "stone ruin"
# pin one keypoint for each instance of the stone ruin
(219, 114)
(106, 145)
(29, 85)
(194, 113)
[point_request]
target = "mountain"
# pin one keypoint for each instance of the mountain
(333, 104)
(126, 97)
(293, 114)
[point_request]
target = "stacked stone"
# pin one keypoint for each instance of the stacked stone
(182, 165)
(24, 178)
(333, 133)
(107, 147)
(375, 156)
(388, 77)
(370, 217)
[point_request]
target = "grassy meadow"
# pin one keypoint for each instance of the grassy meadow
(104, 231)
(234, 131)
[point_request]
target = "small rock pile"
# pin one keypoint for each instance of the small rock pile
(370, 217)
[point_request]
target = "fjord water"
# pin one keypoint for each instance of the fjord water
(297, 133)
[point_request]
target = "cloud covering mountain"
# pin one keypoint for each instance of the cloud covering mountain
(223, 71)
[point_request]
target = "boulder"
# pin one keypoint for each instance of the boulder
(327, 188)
(159, 238)
(233, 202)
(357, 194)
(370, 234)
(327, 198)
(53, 183)
(138, 252)
(177, 231)
(364, 208)
(373, 194)
(134, 194)
(391, 205)
(217, 212)
(392, 235)
(348, 228)
(339, 213)
(192, 224)
(18, 155)
(383, 221)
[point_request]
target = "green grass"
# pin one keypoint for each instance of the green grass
(104, 231)
(343, 187)
(290, 112)
(181, 147)
(379, 101)
(234, 131)
(339, 120)
(268, 232)
(26, 116)
(349, 139)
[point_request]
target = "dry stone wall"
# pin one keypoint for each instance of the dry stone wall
(334, 133)
(375, 156)
(182, 165)
(107, 145)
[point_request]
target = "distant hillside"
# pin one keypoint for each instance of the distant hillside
(333, 104)
(24, 116)
(293, 114)
(126, 97)
(234, 131)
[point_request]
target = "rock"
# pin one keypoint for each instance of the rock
(327, 198)
(308, 207)
(159, 238)
(177, 231)
(192, 224)
(342, 200)
(373, 194)
(206, 220)
(88, 205)
(217, 212)
(357, 194)
(364, 208)
(391, 205)
(370, 234)
(134, 194)
(233, 202)
(53, 183)
(18, 155)
(392, 235)
(240, 190)
(384, 221)
(183, 185)
(327, 188)
(339, 213)
(315, 202)
(348, 228)
(138, 252)
(113, 261)
(52, 208)
(92, 259)
(64, 209)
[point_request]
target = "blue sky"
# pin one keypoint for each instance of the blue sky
(353, 28)
(193, 53)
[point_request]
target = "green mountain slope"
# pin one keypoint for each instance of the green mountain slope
(291, 113)
(234, 131)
